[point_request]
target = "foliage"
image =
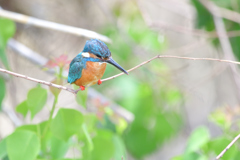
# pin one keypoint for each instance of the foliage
(148, 94)
(201, 146)
(104, 134)
(205, 20)
(7, 30)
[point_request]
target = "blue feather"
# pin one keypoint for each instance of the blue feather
(77, 65)
(97, 47)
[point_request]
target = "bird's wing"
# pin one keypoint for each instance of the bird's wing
(75, 69)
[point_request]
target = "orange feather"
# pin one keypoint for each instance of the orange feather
(93, 72)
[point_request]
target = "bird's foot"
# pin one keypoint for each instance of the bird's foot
(99, 82)
(82, 88)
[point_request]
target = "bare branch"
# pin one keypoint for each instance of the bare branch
(230, 15)
(229, 146)
(38, 81)
(169, 56)
(52, 25)
(106, 79)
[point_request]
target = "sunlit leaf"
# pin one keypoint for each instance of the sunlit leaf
(120, 150)
(219, 144)
(195, 156)
(23, 145)
(219, 118)
(121, 126)
(87, 135)
(99, 152)
(22, 108)
(178, 158)
(81, 98)
(7, 30)
(58, 148)
(3, 148)
(66, 123)
(36, 100)
(198, 138)
(55, 91)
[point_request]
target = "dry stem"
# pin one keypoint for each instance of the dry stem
(106, 79)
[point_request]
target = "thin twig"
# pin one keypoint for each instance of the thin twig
(38, 81)
(52, 25)
(145, 62)
(169, 56)
(230, 145)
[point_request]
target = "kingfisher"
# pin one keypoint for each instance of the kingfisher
(88, 67)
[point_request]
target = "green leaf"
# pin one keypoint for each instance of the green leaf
(2, 91)
(151, 127)
(121, 126)
(198, 138)
(195, 156)
(219, 144)
(180, 157)
(3, 148)
(103, 153)
(58, 148)
(204, 17)
(55, 91)
(87, 135)
(81, 98)
(120, 150)
(219, 118)
(22, 108)
(66, 123)
(30, 127)
(36, 99)
(23, 145)
(7, 30)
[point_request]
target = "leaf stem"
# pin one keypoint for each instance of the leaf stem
(50, 117)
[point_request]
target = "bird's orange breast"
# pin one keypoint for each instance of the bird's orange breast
(91, 74)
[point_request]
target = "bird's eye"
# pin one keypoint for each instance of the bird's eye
(99, 56)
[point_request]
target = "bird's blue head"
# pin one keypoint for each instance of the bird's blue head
(100, 49)
(97, 48)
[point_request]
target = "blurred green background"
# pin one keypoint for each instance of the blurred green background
(167, 109)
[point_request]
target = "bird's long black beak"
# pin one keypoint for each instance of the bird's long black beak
(111, 61)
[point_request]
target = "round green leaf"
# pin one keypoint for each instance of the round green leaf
(120, 151)
(3, 149)
(66, 123)
(198, 138)
(23, 145)
(99, 152)
(22, 108)
(36, 99)
(81, 98)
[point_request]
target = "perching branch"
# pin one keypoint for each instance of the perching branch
(230, 145)
(106, 79)
(169, 56)
(52, 25)
(38, 81)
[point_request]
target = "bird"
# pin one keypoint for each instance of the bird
(88, 67)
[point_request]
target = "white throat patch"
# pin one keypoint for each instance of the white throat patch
(85, 54)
